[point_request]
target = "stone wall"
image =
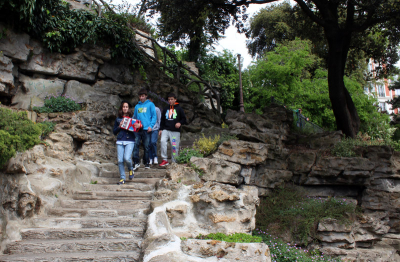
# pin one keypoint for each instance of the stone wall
(263, 159)
(29, 72)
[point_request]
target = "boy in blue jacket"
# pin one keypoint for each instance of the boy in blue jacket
(145, 111)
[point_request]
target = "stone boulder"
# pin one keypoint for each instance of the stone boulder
(224, 208)
(14, 45)
(218, 170)
(43, 62)
(270, 178)
(79, 66)
(82, 92)
(60, 146)
(242, 152)
(182, 173)
(34, 91)
(226, 251)
(6, 73)
(117, 72)
(254, 128)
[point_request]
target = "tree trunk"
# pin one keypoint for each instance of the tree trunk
(345, 112)
(194, 47)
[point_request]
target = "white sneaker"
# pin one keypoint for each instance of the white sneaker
(155, 161)
(151, 161)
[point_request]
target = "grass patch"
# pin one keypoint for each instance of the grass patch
(291, 210)
(236, 237)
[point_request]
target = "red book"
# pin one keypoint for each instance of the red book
(128, 124)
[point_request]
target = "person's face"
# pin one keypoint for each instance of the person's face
(142, 98)
(171, 101)
(125, 108)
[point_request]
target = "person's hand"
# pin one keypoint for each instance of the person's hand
(159, 133)
(178, 125)
(149, 130)
(136, 125)
(120, 124)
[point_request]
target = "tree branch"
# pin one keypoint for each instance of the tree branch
(310, 13)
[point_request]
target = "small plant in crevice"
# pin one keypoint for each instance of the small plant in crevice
(186, 153)
(93, 182)
(225, 137)
(199, 171)
(53, 104)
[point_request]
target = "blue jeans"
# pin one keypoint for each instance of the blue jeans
(153, 144)
(124, 155)
(143, 136)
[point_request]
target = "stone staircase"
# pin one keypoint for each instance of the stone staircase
(104, 222)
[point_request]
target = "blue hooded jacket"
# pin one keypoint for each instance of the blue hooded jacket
(146, 112)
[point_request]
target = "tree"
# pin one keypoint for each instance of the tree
(293, 75)
(192, 24)
(340, 20)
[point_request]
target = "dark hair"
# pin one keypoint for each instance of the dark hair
(171, 95)
(130, 112)
(143, 92)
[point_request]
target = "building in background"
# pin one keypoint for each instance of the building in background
(380, 89)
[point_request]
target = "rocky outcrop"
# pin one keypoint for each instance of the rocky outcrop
(183, 212)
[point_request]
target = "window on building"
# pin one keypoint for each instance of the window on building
(382, 106)
(397, 92)
(381, 89)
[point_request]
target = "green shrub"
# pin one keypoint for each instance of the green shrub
(236, 237)
(207, 145)
(54, 104)
(18, 133)
(345, 148)
(7, 149)
(291, 210)
(186, 153)
(47, 127)
(285, 252)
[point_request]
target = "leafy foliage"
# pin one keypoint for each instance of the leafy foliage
(186, 153)
(236, 237)
(62, 29)
(57, 104)
(295, 77)
(47, 127)
(291, 210)
(206, 145)
(285, 252)
(203, 25)
(17, 133)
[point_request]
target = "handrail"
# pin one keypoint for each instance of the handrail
(208, 90)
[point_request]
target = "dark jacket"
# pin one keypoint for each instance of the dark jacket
(122, 134)
(168, 120)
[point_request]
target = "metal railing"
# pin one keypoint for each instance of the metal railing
(301, 121)
(171, 65)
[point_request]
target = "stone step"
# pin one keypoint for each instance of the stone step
(71, 246)
(98, 213)
(90, 222)
(122, 188)
(110, 195)
(82, 233)
(105, 204)
(158, 173)
(113, 181)
(74, 257)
